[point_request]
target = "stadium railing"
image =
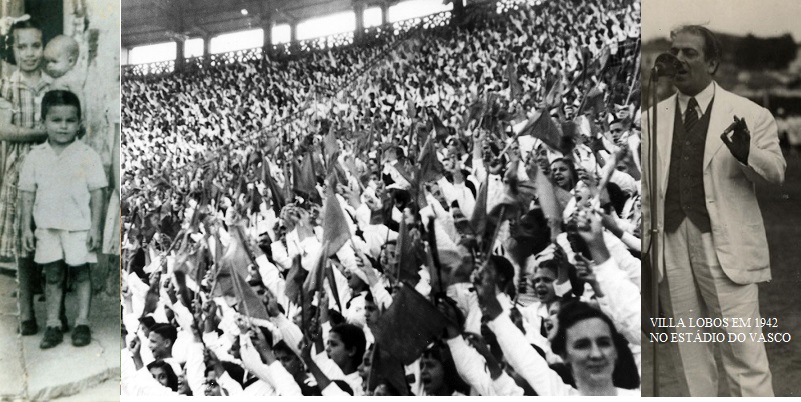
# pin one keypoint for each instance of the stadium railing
(276, 51)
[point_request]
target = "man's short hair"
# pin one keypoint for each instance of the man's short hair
(283, 347)
(166, 331)
(504, 269)
(713, 50)
(59, 98)
(147, 321)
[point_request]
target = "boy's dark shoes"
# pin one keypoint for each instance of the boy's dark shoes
(52, 337)
(28, 327)
(81, 335)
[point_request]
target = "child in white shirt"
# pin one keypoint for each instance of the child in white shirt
(61, 185)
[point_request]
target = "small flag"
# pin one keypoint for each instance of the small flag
(408, 260)
(515, 89)
(336, 231)
(294, 281)
(409, 325)
(431, 168)
(478, 221)
(276, 193)
(593, 100)
(330, 147)
(544, 128)
(306, 180)
(439, 128)
(247, 300)
(314, 281)
(554, 96)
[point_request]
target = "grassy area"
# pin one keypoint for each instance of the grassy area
(781, 210)
(780, 298)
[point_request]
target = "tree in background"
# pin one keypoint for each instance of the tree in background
(775, 53)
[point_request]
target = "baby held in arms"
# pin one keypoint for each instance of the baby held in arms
(60, 56)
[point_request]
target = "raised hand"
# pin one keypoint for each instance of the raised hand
(485, 284)
(259, 340)
(242, 323)
(589, 226)
(364, 264)
(272, 304)
(739, 143)
(451, 324)
(171, 292)
(585, 273)
(586, 177)
(135, 346)
(211, 358)
(305, 350)
(610, 223)
(323, 306)
(209, 307)
(155, 277)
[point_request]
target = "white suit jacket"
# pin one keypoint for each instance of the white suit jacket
(737, 228)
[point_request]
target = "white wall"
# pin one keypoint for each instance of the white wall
(103, 83)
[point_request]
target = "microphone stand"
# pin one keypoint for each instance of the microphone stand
(653, 194)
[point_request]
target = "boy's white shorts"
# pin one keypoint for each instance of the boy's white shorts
(56, 244)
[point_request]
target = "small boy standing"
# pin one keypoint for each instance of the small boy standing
(61, 185)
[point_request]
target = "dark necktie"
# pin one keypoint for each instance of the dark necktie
(690, 115)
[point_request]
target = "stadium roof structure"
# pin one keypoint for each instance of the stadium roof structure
(155, 21)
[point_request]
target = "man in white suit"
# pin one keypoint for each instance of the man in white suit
(713, 250)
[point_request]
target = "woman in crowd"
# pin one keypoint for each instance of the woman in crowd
(438, 374)
(345, 346)
(599, 357)
(563, 173)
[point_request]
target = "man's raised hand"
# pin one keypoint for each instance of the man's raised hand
(740, 142)
(135, 346)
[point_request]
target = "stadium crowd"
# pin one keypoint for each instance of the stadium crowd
(450, 211)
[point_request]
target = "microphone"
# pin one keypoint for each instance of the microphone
(666, 65)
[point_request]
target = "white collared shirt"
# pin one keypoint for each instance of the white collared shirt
(62, 184)
(703, 98)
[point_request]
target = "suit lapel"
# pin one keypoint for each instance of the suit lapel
(720, 118)
(664, 138)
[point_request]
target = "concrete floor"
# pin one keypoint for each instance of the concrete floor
(91, 373)
(99, 393)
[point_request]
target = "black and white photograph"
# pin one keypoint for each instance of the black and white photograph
(380, 197)
(59, 204)
(722, 198)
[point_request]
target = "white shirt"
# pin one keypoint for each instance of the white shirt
(529, 364)
(472, 367)
(62, 184)
(703, 98)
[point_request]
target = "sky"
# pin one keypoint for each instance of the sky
(740, 17)
(314, 28)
